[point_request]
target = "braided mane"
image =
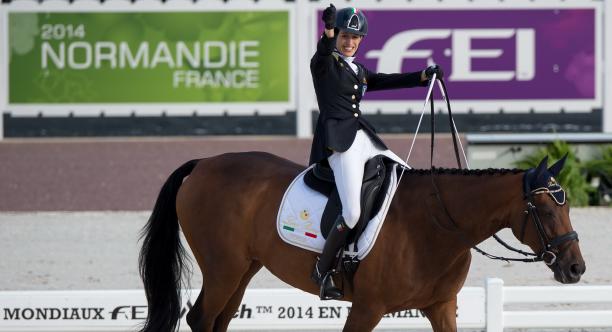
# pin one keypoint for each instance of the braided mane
(464, 172)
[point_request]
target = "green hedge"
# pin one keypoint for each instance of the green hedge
(576, 175)
(601, 168)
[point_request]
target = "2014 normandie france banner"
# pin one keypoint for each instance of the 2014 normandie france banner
(149, 57)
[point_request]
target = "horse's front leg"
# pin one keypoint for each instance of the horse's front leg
(363, 317)
(443, 316)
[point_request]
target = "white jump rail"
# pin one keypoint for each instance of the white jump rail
(498, 296)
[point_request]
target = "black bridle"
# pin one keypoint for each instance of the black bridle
(547, 255)
(556, 192)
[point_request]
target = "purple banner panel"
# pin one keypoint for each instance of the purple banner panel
(515, 54)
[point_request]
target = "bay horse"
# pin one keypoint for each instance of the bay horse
(227, 206)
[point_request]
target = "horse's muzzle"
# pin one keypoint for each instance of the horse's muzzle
(569, 268)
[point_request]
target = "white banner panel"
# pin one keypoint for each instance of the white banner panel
(121, 310)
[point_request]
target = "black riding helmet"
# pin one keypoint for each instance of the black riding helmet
(352, 20)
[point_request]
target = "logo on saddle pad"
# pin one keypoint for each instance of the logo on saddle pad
(301, 226)
(301, 210)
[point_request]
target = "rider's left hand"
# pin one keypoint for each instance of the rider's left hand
(433, 69)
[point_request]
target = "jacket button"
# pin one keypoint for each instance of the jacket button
(355, 114)
(353, 97)
(355, 86)
(354, 106)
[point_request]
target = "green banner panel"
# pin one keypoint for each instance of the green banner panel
(149, 57)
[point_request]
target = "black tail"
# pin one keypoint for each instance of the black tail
(162, 257)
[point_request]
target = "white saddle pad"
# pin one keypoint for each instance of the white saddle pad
(299, 217)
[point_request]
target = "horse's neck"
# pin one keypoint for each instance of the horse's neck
(464, 210)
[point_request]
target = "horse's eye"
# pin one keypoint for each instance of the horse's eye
(549, 215)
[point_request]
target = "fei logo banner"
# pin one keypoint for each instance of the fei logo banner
(530, 56)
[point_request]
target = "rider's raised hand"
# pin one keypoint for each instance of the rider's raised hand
(329, 17)
(433, 69)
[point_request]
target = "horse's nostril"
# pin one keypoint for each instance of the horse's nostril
(576, 270)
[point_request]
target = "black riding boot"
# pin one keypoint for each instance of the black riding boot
(323, 271)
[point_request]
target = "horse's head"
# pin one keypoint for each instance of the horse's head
(545, 226)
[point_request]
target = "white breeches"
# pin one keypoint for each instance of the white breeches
(348, 173)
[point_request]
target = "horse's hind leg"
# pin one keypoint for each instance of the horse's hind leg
(231, 307)
(194, 316)
(221, 281)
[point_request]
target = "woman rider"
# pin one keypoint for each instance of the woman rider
(342, 135)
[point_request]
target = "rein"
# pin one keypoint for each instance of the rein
(547, 256)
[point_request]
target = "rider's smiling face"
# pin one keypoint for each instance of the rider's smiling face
(347, 43)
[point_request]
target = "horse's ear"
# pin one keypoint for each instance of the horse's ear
(558, 166)
(541, 167)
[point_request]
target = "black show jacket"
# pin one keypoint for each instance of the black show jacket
(339, 91)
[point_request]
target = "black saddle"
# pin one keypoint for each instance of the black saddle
(373, 189)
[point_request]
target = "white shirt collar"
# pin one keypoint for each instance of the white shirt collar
(349, 60)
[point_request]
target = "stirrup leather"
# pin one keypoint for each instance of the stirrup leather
(317, 275)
